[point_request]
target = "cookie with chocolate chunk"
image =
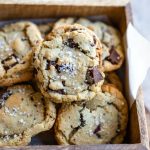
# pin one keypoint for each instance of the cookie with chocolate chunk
(113, 78)
(101, 120)
(16, 42)
(66, 65)
(23, 113)
(112, 54)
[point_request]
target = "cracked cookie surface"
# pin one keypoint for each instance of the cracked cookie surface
(24, 113)
(98, 121)
(16, 42)
(66, 65)
(112, 54)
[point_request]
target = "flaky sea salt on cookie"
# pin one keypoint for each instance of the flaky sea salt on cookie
(23, 113)
(16, 42)
(101, 120)
(66, 64)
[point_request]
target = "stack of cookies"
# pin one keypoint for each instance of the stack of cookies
(70, 63)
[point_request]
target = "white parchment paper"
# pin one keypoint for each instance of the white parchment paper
(138, 55)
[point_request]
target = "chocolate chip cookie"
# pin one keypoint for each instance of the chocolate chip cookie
(101, 120)
(113, 78)
(66, 65)
(112, 54)
(23, 113)
(16, 42)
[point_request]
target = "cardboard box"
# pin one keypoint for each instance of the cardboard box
(120, 15)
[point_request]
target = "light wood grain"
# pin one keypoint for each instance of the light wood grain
(69, 2)
(82, 147)
(142, 118)
(148, 121)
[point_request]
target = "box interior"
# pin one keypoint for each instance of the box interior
(119, 16)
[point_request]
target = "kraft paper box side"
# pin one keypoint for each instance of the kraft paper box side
(69, 2)
(120, 16)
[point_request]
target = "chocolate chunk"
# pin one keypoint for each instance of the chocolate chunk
(63, 82)
(82, 124)
(114, 57)
(73, 29)
(13, 56)
(71, 43)
(50, 63)
(93, 75)
(98, 135)
(94, 39)
(4, 96)
(10, 57)
(60, 91)
(98, 128)
(92, 44)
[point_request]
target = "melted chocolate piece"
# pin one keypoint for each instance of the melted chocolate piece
(82, 124)
(63, 82)
(73, 29)
(4, 97)
(49, 63)
(60, 91)
(98, 128)
(6, 67)
(71, 43)
(94, 39)
(98, 135)
(114, 57)
(93, 75)
(9, 57)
